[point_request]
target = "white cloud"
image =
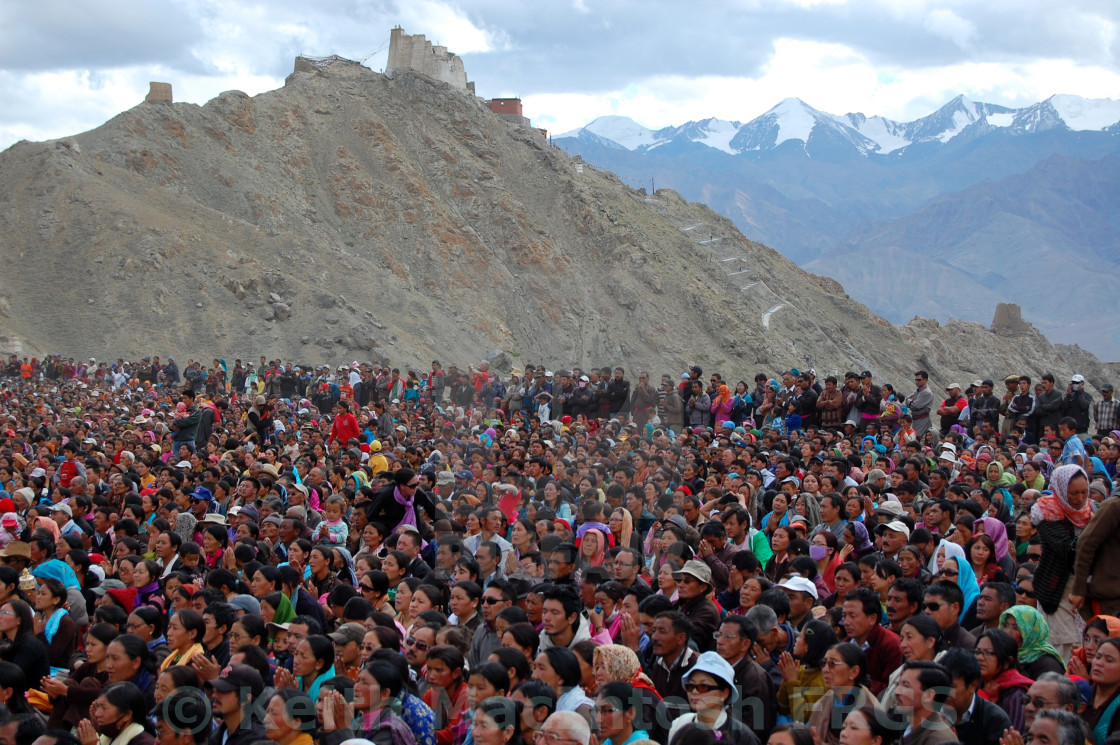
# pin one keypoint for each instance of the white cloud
(572, 61)
(944, 22)
(446, 25)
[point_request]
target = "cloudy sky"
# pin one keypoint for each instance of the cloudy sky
(67, 66)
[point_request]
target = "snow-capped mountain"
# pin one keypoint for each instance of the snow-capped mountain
(795, 120)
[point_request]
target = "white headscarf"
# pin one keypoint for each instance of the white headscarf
(950, 550)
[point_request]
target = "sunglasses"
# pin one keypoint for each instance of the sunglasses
(1026, 593)
(492, 601)
(934, 606)
(419, 646)
(700, 687)
(950, 573)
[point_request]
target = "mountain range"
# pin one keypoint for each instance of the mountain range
(943, 216)
(350, 215)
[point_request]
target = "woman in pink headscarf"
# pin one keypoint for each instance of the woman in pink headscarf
(592, 548)
(997, 531)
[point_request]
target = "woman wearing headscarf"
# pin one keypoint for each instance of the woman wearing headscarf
(942, 563)
(721, 405)
(997, 531)
(809, 507)
(996, 478)
(1060, 517)
(592, 548)
(1096, 631)
(1027, 626)
(856, 536)
(615, 663)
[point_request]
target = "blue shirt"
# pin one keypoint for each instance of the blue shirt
(1074, 447)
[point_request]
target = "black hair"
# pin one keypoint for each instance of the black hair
(224, 615)
(566, 665)
(323, 650)
(298, 705)
(514, 659)
(949, 591)
(126, 698)
(819, 638)
(185, 710)
(961, 664)
(867, 598)
(1005, 647)
(495, 674)
(12, 676)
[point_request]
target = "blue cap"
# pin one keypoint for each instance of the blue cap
(203, 494)
(464, 474)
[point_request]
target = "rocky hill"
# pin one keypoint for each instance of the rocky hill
(349, 215)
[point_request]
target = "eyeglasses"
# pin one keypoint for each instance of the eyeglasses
(1041, 703)
(833, 663)
(8, 613)
(700, 687)
(1025, 593)
(985, 653)
(724, 635)
(419, 646)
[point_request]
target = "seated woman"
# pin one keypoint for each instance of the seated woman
(147, 623)
(184, 637)
(1096, 631)
(290, 718)
(1003, 684)
(72, 697)
(1028, 627)
(128, 660)
(803, 677)
(710, 685)
(53, 624)
(17, 627)
(120, 714)
(447, 693)
(847, 679)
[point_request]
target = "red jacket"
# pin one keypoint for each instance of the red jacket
(345, 427)
(884, 656)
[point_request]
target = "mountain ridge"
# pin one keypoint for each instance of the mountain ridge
(794, 119)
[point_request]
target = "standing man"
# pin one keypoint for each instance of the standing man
(618, 392)
(920, 404)
(951, 408)
(1078, 403)
(868, 398)
(1011, 384)
(984, 407)
(1106, 412)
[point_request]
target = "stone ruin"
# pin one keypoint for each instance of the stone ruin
(158, 93)
(414, 53)
(1009, 321)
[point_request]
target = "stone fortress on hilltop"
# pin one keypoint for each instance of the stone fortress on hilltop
(408, 53)
(414, 53)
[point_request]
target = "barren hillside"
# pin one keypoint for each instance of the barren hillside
(348, 215)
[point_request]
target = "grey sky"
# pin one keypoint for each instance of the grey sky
(69, 66)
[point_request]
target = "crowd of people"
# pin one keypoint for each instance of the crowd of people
(283, 553)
